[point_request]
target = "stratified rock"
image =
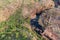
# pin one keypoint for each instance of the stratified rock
(50, 19)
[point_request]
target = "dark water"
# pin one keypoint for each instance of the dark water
(34, 23)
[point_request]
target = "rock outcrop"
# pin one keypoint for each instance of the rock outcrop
(50, 19)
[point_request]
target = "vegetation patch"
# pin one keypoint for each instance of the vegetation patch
(13, 28)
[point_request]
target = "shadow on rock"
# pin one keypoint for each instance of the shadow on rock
(35, 25)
